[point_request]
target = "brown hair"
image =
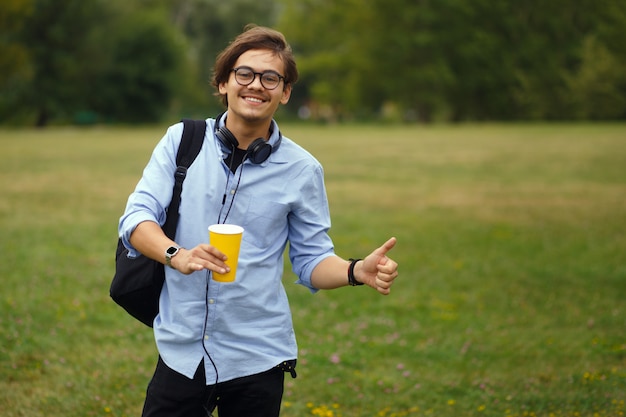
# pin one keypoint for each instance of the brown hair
(254, 37)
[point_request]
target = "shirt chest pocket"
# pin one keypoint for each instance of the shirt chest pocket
(265, 222)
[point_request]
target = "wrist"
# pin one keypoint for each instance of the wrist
(170, 254)
(352, 280)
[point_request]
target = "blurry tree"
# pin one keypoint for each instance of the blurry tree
(478, 42)
(460, 59)
(332, 60)
(15, 66)
(407, 43)
(598, 82)
(54, 35)
(598, 88)
(548, 39)
(144, 66)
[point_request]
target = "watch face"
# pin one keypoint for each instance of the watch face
(171, 250)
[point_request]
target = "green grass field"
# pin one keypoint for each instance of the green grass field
(511, 299)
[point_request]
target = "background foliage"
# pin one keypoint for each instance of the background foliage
(118, 61)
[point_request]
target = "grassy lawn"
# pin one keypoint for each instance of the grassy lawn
(511, 299)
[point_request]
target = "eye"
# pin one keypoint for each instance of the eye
(245, 74)
(271, 77)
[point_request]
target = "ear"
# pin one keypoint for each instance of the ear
(286, 94)
(222, 88)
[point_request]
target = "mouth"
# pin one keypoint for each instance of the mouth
(253, 100)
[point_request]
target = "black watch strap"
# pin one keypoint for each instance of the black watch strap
(351, 279)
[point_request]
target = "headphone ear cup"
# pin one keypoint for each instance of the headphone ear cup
(259, 151)
(227, 138)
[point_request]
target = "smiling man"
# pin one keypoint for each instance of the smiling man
(228, 345)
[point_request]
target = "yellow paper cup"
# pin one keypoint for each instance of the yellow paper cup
(226, 238)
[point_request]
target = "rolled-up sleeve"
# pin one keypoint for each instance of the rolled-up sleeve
(153, 193)
(309, 222)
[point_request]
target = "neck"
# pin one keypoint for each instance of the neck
(246, 132)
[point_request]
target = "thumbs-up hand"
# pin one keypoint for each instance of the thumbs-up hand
(377, 270)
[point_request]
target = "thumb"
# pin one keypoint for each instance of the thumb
(386, 247)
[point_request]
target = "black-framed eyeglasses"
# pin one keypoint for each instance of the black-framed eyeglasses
(246, 75)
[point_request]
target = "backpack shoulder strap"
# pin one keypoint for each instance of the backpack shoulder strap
(188, 150)
(191, 143)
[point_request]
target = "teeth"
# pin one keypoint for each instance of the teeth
(256, 100)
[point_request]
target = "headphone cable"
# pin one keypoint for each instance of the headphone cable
(230, 166)
(208, 276)
(208, 408)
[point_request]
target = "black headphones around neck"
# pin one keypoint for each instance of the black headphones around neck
(258, 151)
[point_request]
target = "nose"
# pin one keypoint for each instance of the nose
(256, 82)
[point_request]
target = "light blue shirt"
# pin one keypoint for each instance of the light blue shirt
(248, 322)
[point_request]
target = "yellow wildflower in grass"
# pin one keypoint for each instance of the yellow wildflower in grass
(322, 411)
(481, 408)
(383, 412)
(451, 402)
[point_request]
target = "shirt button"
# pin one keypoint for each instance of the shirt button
(232, 192)
(206, 337)
(211, 301)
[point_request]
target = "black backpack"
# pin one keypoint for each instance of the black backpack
(137, 282)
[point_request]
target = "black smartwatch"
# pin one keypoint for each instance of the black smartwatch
(170, 253)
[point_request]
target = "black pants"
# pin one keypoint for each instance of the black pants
(171, 394)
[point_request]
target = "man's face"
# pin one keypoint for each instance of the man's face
(254, 103)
